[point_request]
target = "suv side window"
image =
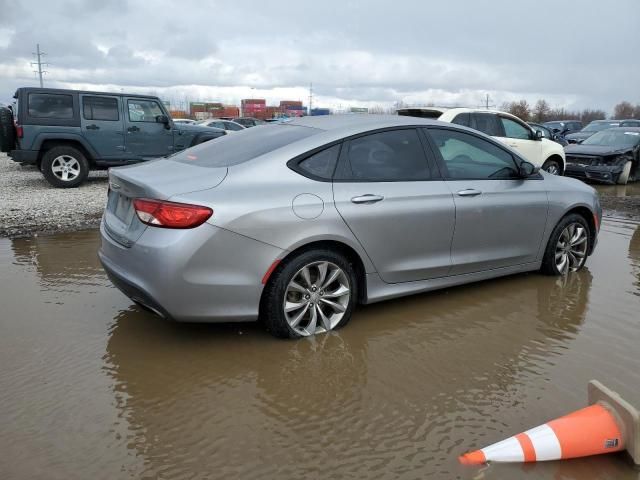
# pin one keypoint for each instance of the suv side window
(513, 129)
(487, 123)
(100, 108)
(50, 105)
(389, 156)
(143, 110)
(321, 164)
(462, 119)
(466, 157)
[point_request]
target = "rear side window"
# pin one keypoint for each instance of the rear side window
(50, 105)
(487, 123)
(462, 119)
(243, 146)
(100, 108)
(320, 165)
(233, 126)
(390, 156)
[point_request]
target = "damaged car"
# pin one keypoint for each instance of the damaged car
(610, 156)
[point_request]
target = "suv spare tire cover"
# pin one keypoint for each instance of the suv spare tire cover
(7, 130)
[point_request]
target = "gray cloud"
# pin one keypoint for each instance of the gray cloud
(575, 54)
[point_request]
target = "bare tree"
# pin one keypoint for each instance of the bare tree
(587, 115)
(541, 111)
(636, 111)
(623, 110)
(520, 109)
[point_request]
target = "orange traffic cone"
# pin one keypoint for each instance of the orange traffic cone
(610, 424)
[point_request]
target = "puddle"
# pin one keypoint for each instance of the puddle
(94, 387)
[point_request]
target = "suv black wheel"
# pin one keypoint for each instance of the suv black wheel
(552, 167)
(312, 293)
(568, 246)
(64, 167)
(7, 130)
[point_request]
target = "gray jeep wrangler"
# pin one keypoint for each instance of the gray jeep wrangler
(66, 133)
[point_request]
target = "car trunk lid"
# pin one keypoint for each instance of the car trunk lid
(159, 180)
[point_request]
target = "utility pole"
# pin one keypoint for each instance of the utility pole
(39, 63)
(310, 97)
(486, 104)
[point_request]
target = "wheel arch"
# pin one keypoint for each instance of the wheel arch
(557, 158)
(334, 245)
(590, 217)
(49, 143)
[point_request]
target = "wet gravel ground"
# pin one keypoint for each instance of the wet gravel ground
(30, 206)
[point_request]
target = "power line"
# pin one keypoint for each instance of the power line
(39, 63)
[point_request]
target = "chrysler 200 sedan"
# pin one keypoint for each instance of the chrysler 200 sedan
(296, 223)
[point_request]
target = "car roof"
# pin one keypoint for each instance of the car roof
(358, 121)
(91, 92)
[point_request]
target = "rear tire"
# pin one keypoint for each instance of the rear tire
(568, 246)
(311, 293)
(623, 179)
(64, 167)
(552, 167)
(7, 130)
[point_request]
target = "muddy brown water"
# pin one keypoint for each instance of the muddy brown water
(92, 387)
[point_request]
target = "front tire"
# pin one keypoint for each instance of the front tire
(623, 179)
(64, 167)
(568, 246)
(552, 167)
(314, 292)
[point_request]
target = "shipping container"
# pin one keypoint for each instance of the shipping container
(320, 111)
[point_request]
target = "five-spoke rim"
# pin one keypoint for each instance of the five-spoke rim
(65, 167)
(571, 249)
(316, 298)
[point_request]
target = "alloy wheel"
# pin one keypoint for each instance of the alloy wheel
(316, 298)
(65, 167)
(553, 169)
(571, 249)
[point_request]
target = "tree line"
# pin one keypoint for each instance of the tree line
(542, 112)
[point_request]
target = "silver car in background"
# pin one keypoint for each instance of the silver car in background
(296, 223)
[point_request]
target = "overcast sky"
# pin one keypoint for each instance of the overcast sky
(357, 53)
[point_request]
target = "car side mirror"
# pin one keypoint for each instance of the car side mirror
(537, 135)
(527, 169)
(162, 119)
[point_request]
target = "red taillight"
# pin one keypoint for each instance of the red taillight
(158, 213)
(19, 131)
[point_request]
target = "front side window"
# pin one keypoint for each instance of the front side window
(321, 164)
(466, 156)
(50, 105)
(462, 119)
(487, 123)
(100, 108)
(143, 110)
(513, 129)
(233, 126)
(390, 156)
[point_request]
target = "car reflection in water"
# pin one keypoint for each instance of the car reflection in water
(404, 388)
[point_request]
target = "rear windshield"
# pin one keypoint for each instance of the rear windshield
(243, 145)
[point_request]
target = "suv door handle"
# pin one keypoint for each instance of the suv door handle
(367, 199)
(93, 127)
(469, 192)
(133, 129)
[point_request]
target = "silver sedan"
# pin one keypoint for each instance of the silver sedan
(297, 223)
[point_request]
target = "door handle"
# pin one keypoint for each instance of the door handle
(469, 192)
(367, 199)
(93, 127)
(133, 129)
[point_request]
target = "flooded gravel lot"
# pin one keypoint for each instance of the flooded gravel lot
(93, 387)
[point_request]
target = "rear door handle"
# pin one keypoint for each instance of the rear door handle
(133, 129)
(469, 192)
(93, 127)
(368, 198)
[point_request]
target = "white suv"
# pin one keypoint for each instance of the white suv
(505, 127)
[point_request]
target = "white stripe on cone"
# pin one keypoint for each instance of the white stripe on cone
(545, 442)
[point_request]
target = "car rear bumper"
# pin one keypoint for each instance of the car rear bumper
(596, 173)
(26, 157)
(205, 274)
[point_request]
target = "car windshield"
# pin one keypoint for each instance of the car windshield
(243, 145)
(614, 137)
(552, 125)
(596, 127)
